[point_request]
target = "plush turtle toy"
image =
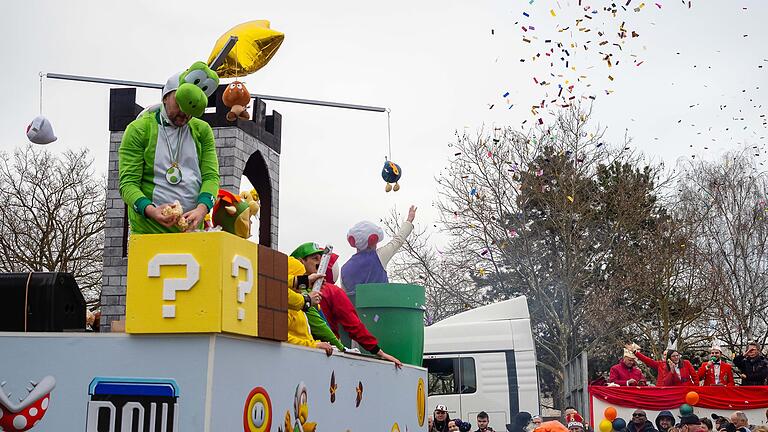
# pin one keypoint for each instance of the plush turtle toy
(233, 212)
(195, 85)
(391, 173)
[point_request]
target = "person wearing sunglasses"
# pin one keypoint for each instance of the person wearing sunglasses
(716, 371)
(640, 423)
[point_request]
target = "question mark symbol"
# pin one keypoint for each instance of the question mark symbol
(170, 286)
(244, 286)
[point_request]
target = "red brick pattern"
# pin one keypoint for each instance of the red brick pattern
(273, 294)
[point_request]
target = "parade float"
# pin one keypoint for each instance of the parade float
(194, 324)
(610, 403)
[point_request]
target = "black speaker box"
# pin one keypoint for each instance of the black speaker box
(53, 301)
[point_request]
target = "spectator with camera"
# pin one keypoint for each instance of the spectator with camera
(722, 424)
(752, 365)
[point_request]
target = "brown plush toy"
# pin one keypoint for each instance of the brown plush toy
(237, 98)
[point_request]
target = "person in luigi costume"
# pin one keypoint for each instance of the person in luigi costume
(336, 306)
(168, 154)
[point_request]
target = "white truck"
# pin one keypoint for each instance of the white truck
(483, 360)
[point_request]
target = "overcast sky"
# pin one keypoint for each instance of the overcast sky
(438, 65)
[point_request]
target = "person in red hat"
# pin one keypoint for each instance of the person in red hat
(575, 422)
(337, 307)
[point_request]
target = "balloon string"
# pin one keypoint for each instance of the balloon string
(389, 135)
(41, 93)
(236, 61)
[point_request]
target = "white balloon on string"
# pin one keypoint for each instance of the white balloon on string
(40, 130)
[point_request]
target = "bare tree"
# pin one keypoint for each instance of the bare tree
(449, 287)
(52, 215)
(726, 200)
(573, 224)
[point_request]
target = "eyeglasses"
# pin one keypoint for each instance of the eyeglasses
(638, 415)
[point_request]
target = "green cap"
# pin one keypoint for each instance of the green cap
(306, 250)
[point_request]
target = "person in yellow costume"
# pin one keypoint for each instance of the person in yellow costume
(298, 326)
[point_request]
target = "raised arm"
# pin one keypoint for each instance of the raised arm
(387, 251)
(653, 364)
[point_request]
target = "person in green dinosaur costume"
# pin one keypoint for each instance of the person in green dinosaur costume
(168, 155)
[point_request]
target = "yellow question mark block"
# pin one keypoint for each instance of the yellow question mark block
(192, 283)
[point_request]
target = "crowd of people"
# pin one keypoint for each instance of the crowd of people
(749, 368)
(441, 421)
(665, 421)
(672, 370)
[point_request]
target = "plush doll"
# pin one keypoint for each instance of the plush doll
(237, 98)
(233, 212)
(195, 85)
(40, 131)
(391, 173)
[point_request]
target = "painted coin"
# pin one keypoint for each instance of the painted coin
(421, 402)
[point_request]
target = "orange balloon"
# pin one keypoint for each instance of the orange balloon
(692, 398)
(551, 426)
(610, 413)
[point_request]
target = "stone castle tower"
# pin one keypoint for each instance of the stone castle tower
(248, 148)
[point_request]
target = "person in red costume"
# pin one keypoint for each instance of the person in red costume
(626, 372)
(337, 307)
(672, 371)
(715, 371)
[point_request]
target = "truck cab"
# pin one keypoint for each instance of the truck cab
(483, 360)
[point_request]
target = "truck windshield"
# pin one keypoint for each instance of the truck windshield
(451, 375)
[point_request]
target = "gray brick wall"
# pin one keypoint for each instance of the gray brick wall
(233, 147)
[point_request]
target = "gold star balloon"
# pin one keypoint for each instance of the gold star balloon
(256, 44)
